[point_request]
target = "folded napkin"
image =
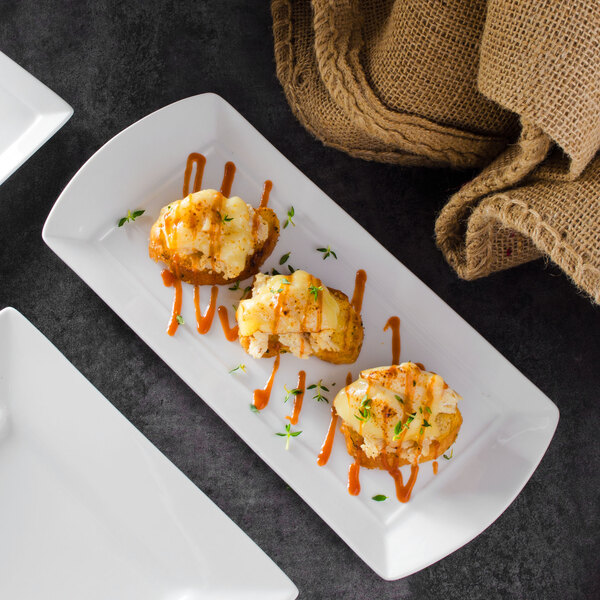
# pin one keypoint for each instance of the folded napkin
(507, 85)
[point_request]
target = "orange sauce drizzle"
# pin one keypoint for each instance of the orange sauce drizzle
(261, 397)
(403, 492)
(228, 176)
(359, 290)
(231, 333)
(298, 398)
(393, 323)
(264, 199)
(170, 280)
(325, 452)
(353, 480)
(203, 322)
(434, 464)
(200, 161)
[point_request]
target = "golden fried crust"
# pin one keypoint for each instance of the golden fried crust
(449, 426)
(349, 339)
(182, 266)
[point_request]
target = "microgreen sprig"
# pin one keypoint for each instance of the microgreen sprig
(314, 290)
(327, 252)
(364, 412)
(180, 319)
(288, 434)
(224, 218)
(319, 387)
(290, 393)
(290, 214)
(451, 455)
(379, 498)
(240, 367)
(398, 398)
(284, 258)
(235, 286)
(131, 216)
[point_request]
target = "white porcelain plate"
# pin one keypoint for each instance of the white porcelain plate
(30, 114)
(508, 422)
(89, 508)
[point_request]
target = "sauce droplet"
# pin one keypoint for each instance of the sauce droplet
(298, 398)
(434, 464)
(204, 322)
(393, 323)
(228, 176)
(170, 280)
(261, 397)
(264, 199)
(231, 333)
(359, 290)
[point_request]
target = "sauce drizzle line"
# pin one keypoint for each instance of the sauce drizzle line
(200, 161)
(298, 398)
(204, 322)
(231, 333)
(170, 280)
(228, 176)
(264, 199)
(393, 323)
(359, 290)
(261, 397)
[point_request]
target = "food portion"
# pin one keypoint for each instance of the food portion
(398, 415)
(208, 239)
(298, 314)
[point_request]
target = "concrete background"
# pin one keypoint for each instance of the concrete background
(115, 62)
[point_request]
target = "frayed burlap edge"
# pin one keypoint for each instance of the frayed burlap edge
(483, 217)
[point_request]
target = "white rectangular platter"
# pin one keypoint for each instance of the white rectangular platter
(30, 114)
(89, 508)
(508, 422)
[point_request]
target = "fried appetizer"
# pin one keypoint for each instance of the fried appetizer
(398, 415)
(208, 239)
(296, 313)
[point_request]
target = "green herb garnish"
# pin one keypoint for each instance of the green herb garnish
(274, 272)
(240, 367)
(290, 393)
(451, 455)
(254, 409)
(379, 498)
(284, 258)
(319, 387)
(180, 319)
(314, 290)
(425, 423)
(289, 221)
(364, 412)
(224, 218)
(288, 434)
(327, 252)
(131, 216)
(292, 270)
(235, 286)
(398, 398)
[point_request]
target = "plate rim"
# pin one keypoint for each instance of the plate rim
(51, 112)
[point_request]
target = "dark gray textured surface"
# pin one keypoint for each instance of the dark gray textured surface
(115, 62)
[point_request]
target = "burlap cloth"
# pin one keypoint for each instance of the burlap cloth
(511, 86)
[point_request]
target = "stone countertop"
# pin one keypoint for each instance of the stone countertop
(116, 62)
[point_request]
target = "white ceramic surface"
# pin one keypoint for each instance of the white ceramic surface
(508, 422)
(89, 508)
(30, 114)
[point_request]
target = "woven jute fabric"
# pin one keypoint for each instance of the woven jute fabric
(506, 85)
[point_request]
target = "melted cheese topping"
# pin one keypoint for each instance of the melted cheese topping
(384, 396)
(218, 231)
(284, 304)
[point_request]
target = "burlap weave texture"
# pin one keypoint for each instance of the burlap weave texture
(510, 86)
